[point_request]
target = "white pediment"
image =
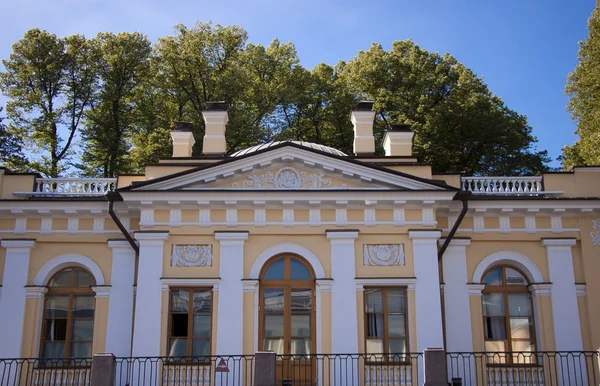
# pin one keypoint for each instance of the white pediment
(289, 168)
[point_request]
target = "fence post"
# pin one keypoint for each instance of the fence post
(435, 367)
(264, 369)
(103, 370)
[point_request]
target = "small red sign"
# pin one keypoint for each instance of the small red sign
(222, 367)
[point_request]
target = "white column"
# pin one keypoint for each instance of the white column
(344, 339)
(427, 289)
(230, 331)
(148, 300)
(567, 327)
(457, 307)
(12, 301)
(120, 303)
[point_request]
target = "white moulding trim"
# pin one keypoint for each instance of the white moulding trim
(541, 288)
(511, 258)
(67, 260)
(101, 291)
(455, 242)
(580, 289)
(166, 283)
(475, 289)
(408, 282)
(299, 250)
(151, 235)
(558, 242)
(250, 285)
(119, 244)
(231, 236)
(324, 285)
(343, 235)
(424, 235)
(18, 243)
(35, 292)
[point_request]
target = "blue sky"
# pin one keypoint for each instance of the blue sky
(524, 49)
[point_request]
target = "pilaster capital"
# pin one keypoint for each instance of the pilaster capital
(475, 288)
(417, 234)
(250, 285)
(101, 291)
(541, 289)
(324, 285)
(35, 292)
(559, 242)
(151, 237)
(16, 244)
(225, 236)
(119, 244)
(345, 235)
(456, 242)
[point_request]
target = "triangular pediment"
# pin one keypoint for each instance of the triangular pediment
(289, 167)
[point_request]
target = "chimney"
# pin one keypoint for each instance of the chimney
(397, 140)
(362, 116)
(215, 119)
(183, 139)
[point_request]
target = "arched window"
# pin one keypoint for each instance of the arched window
(68, 320)
(508, 315)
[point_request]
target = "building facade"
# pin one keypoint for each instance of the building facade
(300, 249)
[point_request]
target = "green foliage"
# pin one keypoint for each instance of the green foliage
(50, 82)
(11, 154)
(123, 94)
(584, 103)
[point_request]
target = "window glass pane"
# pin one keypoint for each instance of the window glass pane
(83, 306)
(301, 300)
(179, 300)
(201, 325)
(520, 328)
(397, 346)
(81, 350)
(275, 270)
(519, 305)
(56, 329)
(495, 351)
(61, 279)
(82, 278)
(57, 306)
(396, 300)
(178, 347)
(494, 328)
(493, 304)
(493, 277)
(374, 300)
(274, 344)
(83, 329)
(300, 346)
(273, 325)
(273, 299)
(201, 347)
(53, 350)
(300, 325)
(374, 346)
(375, 325)
(396, 325)
(202, 301)
(179, 325)
(514, 277)
(298, 270)
(522, 345)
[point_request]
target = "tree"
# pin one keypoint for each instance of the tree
(50, 83)
(11, 154)
(584, 102)
(122, 67)
(459, 124)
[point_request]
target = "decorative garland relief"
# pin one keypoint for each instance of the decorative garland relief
(383, 254)
(286, 178)
(191, 256)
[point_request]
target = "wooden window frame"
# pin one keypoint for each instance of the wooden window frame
(287, 284)
(386, 357)
(506, 289)
(190, 328)
(70, 291)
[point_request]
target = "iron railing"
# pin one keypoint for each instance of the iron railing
(523, 368)
(45, 372)
(349, 369)
(233, 370)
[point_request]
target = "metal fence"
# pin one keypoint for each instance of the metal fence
(523, 368)
(349, 369)
(45, 372)
(234, 370)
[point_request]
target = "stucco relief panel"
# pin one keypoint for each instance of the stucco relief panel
(286, 178)
(383, 254)
(191, 256)
(596, 235)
